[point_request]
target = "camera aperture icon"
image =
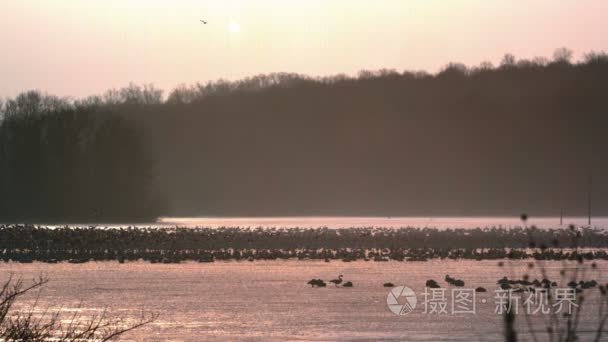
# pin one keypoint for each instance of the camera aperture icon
(401, 300)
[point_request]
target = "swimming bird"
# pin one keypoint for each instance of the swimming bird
(337, 281)
(458, 282)
(385, 285)
(432, 284)
(348, 284)
(317, 282)
(454, 281)
(505, 286)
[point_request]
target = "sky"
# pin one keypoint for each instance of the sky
(83, 47)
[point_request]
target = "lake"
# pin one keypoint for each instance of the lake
(355, 221)
(270, 300)
(349, 221)
(338, 222)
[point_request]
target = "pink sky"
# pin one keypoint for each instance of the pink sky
(79, 48)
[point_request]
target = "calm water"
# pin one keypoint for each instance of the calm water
(345, 222)
(270, 300)
(353, 221)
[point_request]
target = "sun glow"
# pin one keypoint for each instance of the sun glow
(234, 27)
(143, 39)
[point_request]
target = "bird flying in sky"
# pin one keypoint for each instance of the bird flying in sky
(204, 22)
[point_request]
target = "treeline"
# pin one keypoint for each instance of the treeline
(27, 243)
(522, 136)
(486, 140)
(62, 161)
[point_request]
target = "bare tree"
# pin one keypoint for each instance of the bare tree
(594, 57)
(561, 328)
(562, 55)
(17, 325)
(508, 61)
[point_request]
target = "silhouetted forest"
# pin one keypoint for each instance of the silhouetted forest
(67, 162)
(488, 140)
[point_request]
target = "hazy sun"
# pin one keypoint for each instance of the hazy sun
(234, 27)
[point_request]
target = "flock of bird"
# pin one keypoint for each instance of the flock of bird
(30, 243)
(429, 283)
(336, 282)
(520, 285)
(525, 285)
(505, 283)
